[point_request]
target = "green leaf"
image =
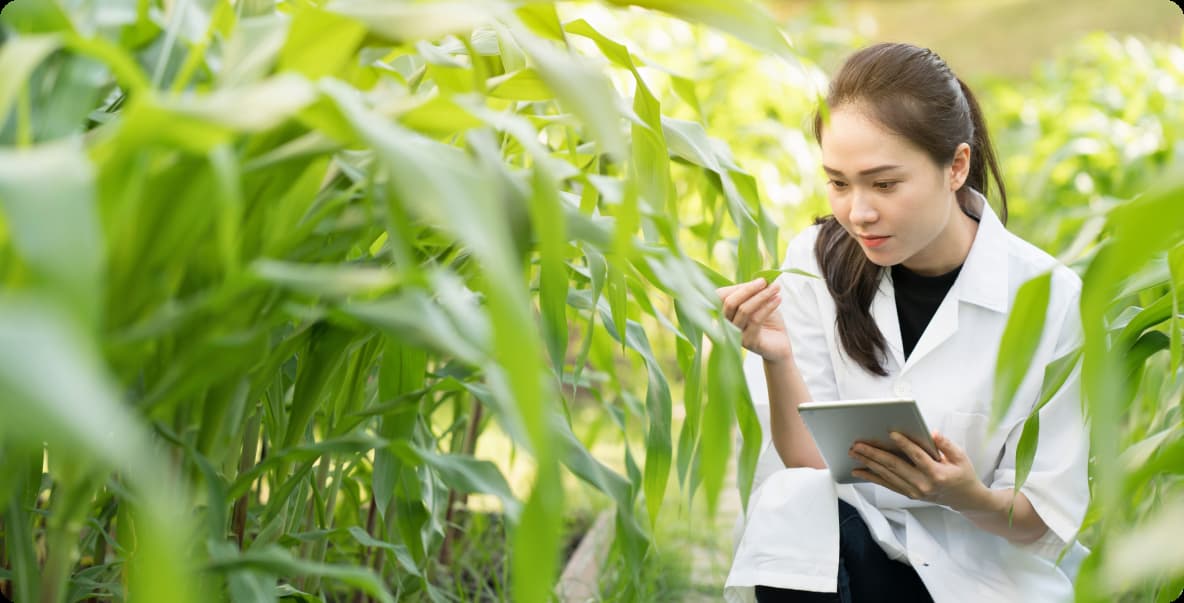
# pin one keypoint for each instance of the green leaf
(542, 18)
(688, 140)
(57, 392)
(320, 43)
(410, 21)
(470, 475)
(47, 196)
(332, 280)
(18, 58)
(523, 85)
(548, 223)
(1176, 325)
(772, 274)
(1025, 451)
(402, 371)
(724, 384)
(399, 551)
(536, 540)
(1127, 563)
(658, 447)
(33, 17)
(1018, 345)
(316, 374)
(414, 317)
(688, 438)
(280, 562)
(580, 88)
(743, 19)
(287, 593)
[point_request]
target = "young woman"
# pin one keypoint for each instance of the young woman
(919, 276)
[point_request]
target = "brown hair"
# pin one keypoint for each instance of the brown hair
(913, 93)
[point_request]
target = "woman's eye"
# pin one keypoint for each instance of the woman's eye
(885, 186)
(837, 184)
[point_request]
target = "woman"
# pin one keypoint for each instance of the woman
(918, 279)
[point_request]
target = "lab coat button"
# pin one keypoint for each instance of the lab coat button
(903, 389)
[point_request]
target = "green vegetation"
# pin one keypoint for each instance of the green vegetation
(355, 300)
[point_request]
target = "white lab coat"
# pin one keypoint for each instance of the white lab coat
(789, 535)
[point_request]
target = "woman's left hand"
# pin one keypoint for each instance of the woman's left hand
(949, 481)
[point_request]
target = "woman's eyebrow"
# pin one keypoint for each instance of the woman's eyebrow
(875, 170)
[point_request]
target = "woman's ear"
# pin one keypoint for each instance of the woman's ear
(960, 166)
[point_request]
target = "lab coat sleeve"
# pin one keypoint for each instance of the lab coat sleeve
(806, 326)
(805, 322)
(1057, 485)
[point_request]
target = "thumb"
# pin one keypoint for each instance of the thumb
(949, 449)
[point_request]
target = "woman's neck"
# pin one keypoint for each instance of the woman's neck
(948, 250)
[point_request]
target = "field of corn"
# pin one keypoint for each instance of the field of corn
(376, 300)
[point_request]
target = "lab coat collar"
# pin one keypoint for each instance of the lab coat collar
(982, 281)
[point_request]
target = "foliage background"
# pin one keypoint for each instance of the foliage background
(340, 300)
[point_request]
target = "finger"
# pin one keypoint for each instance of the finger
(752, 331)
(888, 479)
(893, 463)
(740, 294)
(724, 292)
(875, 479)
(748, 309)
(948, 448)
(764, 312)
(915, 453)
(727, 290)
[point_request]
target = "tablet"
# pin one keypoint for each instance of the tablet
(836, 426)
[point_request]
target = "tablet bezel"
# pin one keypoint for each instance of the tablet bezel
(836, 426)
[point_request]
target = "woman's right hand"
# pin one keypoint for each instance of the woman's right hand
(752, 307)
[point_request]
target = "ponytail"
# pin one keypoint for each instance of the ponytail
(982, 154)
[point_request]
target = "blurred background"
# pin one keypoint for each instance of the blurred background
(993, 37)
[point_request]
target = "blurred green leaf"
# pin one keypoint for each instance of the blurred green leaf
(47, 196)
(329, 280)
(1018, 344)
(18, 58)
(278, 561)
(410, 21)
(745, 20)
(467, 474)
(1127, 562)
(772, 274)
(319, 43)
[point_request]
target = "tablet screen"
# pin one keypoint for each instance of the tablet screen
(836, 426)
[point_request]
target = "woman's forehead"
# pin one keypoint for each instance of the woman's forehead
(853, 142)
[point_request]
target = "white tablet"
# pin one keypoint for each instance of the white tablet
(836, 426)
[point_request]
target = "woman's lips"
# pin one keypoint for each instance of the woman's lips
(872, 241)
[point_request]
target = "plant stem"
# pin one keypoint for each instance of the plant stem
(62, 538)
(246, 463)
(455, 498)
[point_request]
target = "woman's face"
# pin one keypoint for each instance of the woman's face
(892, 197)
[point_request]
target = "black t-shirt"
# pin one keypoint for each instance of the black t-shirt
(917, 299)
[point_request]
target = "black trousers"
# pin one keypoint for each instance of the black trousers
(865, 571)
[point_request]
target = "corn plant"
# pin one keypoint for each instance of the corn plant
(1090, 156)
(272, 268)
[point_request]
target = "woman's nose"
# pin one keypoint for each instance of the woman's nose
(862, 210)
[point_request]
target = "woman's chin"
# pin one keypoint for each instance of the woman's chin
(878, 258)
